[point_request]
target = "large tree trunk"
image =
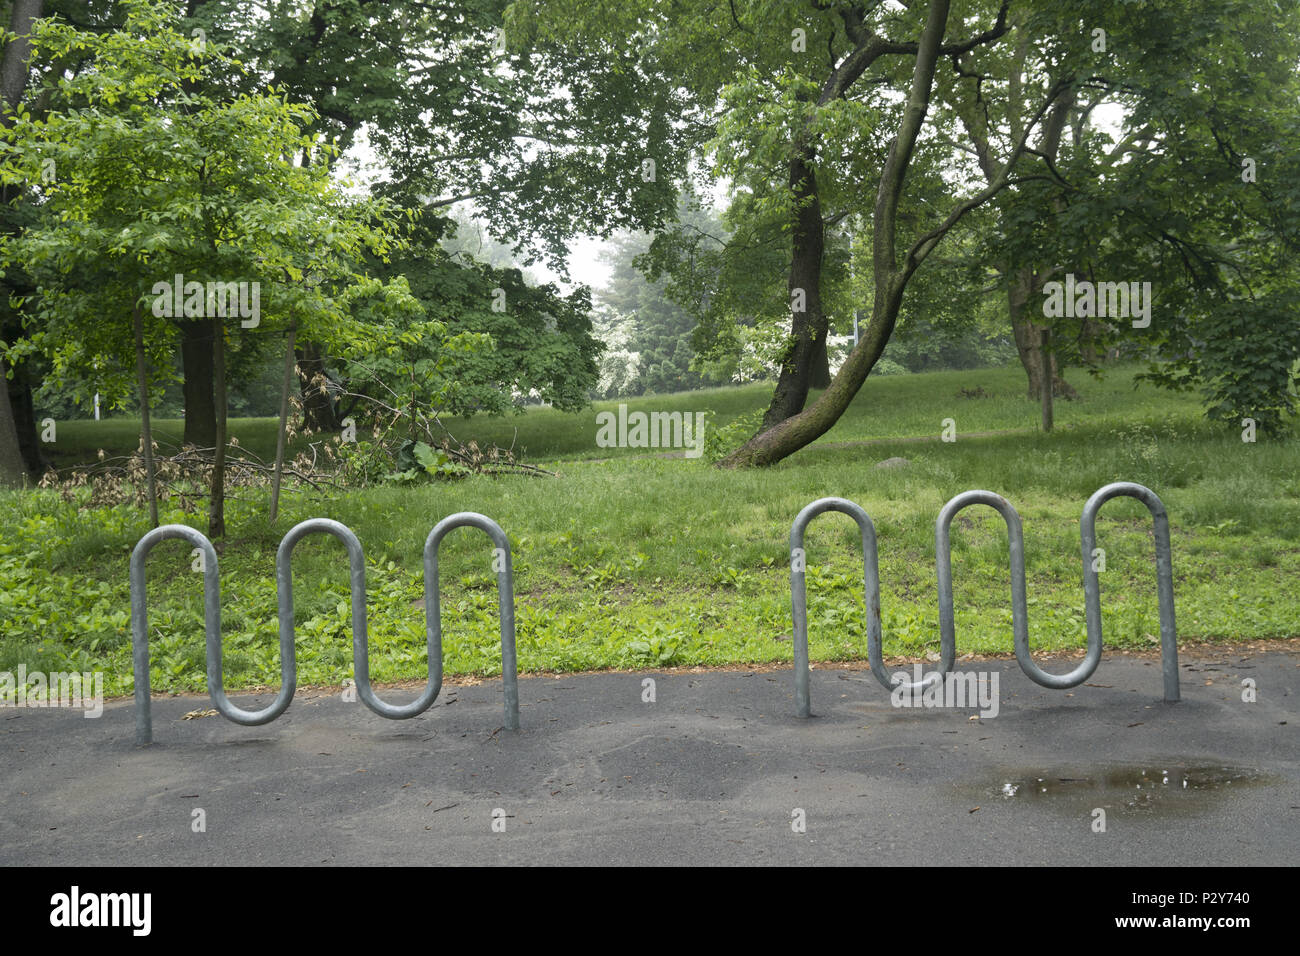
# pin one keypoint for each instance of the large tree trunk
(820, 373)
(13, 69)
(806, 353)
(318, 409)
(1023, 294)
(20, 450)
(197, 362)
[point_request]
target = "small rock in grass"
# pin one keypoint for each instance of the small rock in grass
(893, 463)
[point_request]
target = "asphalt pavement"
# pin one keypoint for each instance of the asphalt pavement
(716, 770)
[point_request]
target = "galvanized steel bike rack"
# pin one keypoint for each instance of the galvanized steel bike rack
(360, 641)
(943, 568)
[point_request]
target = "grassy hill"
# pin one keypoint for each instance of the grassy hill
(886, 407)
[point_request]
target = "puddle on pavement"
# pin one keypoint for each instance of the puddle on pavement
(1158, 789)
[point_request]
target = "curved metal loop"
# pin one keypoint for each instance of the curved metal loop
(1019, 613)
(212, 628)
(1164, 575)
(360, 639)
(871, 586)
(505, 600)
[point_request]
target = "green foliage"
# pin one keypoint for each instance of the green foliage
(509, 342)
(464, 100)
(659, 329)
(140, 175)
(719, 442)
(1193, 188)
(658, 644)
(416, 460)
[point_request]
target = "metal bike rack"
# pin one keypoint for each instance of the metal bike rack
(871, 582)
(1019, 615)
(360, 640)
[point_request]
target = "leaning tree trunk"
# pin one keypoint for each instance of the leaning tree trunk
(806, 353)
(197, 359)
(773, 444)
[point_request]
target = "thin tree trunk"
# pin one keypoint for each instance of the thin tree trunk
(284, 423)
(146, 432)
(217, 506)
(1046, 380)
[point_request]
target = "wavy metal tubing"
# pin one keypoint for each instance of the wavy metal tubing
(871, 583)
(360, 640)
(943, 552)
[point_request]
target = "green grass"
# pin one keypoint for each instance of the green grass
(645, 562)
(887, 407)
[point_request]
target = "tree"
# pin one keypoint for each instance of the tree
(892, 263)
(461, 107)
(660, 329)
(1159, 194)
(16, 208)
(542, 342)
(153, 180)
(798, 93)
(13, 78)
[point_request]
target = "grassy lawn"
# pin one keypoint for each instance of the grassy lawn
(647, 561)
(888, 407)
